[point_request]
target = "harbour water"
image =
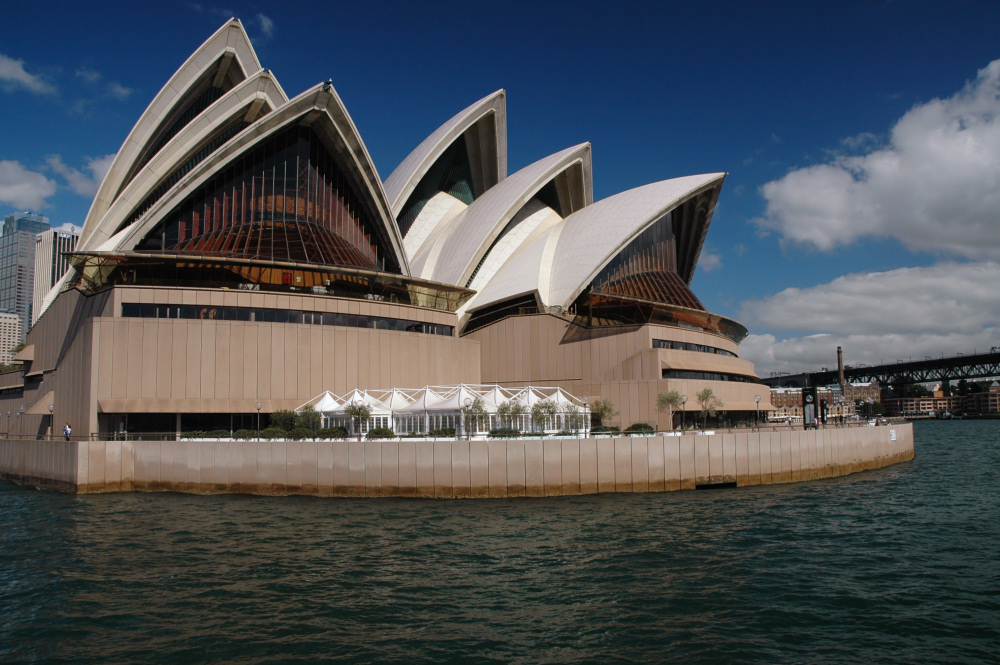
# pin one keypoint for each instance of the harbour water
(898, 565)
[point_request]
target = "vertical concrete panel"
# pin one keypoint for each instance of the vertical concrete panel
(265, 467)
(390, 468)
(479, 469)
(796, 456)
(425, 468)
(655, 465)
(785, 439)
(589, 475)
(444, 482)
(729, 458)
(498, 467)
(765, 439)
(776, 458)
(220, 464)
(703, 459)
(742, 445)
(341, 468)
(570, 466)
(623, 464)
(715, 460)
(552, 467)
(356, 468)
(293, 466)
(373, 468)
(672, 463)
(534, 468)
(515, 468)
(140, 468)
(688, 470)
(223, 337)
(605, 464)
(195, 360)
(206, 466)
(113, 467)
(248, 466)
(234, 466)
(324, 468)
(640, 462)
(310, 467)
(97, 459)
(407, 468)
(461, 469)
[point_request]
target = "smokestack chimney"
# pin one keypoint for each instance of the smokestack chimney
(840, 369)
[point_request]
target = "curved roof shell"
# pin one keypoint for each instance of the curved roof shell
(256, 96)
(455, 253)
(492, 153)
(226, 55)
(320, 108)
(562, 262)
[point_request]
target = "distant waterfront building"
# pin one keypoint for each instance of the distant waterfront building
(10, 336)
(17, 265)
(787, 404)
(50, 263)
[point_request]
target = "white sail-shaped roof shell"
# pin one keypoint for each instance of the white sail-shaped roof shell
(319, 107)
(229, 47)
(257, 95)
(405, 178)
(453, 255)
(563, 261)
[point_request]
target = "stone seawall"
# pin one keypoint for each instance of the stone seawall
(455, 469)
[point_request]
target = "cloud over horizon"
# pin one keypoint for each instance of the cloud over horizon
(946, 308)
(23, 188)
(934, 187)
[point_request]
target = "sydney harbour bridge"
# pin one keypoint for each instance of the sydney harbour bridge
(943, 370)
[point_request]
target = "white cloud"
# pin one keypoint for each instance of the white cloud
(13, 76)
(118, 91)
(266, 25)
(709, 261)
(79, 182)
(947, 308)
(935, 186)
(22, 188)
(88, 75)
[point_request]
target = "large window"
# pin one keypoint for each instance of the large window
(287, 199)
(451, 173)
(150, 311)
(687, 346)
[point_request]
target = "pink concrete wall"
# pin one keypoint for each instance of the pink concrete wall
(455, 469)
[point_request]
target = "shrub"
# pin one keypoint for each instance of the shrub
(413, 435)
(244, 434)
(444, 431)
(273, 433)
(640, 428)
(332, 433)
(218, 434)
(605, 429)
(381, 433)
(504, 433)
(299, 433)
(566, 432)
(193, 434)
(282, 419)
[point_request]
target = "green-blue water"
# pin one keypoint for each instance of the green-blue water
(900, 565)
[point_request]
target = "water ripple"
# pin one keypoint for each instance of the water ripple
(891, 566)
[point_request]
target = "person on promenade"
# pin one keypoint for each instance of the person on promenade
(67, 430)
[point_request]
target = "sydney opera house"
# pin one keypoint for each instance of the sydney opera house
(243, 250)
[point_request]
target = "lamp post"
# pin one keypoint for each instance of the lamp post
(52, 419)
(257, 406)
(684, 401)
(20, 422)
(756, 418)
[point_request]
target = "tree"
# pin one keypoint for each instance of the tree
(283, 419)
(358, 412)
(308, 419)
(709, 403)
(602, 409)
(474, 413)
(572, 418)
(509, 412)
(541, 411)
(669, 401)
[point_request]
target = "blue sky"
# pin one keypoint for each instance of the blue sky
(861, 139)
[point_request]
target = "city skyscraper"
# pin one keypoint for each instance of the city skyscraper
(17, 265)
(50, 263)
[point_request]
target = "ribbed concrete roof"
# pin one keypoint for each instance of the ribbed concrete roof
(401, 183)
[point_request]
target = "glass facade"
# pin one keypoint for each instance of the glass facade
(687, 346)
(151, 311)
(706, 376)
(286, 199)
